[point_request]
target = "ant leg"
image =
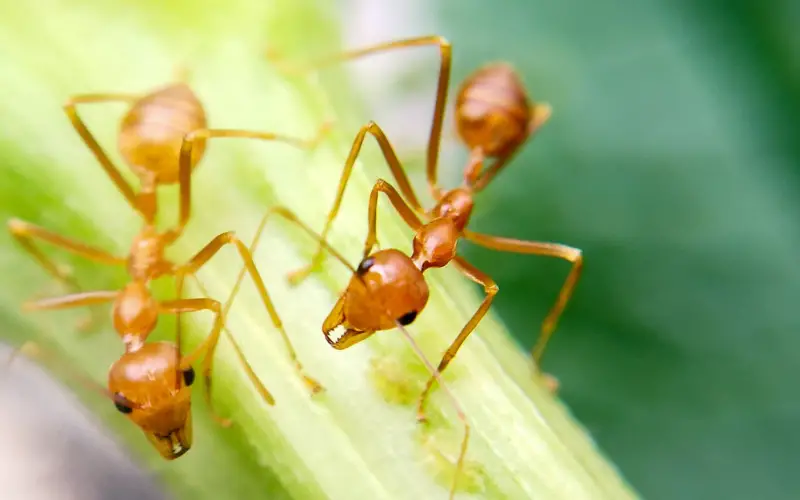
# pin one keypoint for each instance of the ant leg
(443, 81)
(573, 255)
(289, 216)
(297, 276)
(72, 300)
(436, 375)
(206, 348)
(211, 249)
(178, 329)
(491, 289)
(25, 233)
(70, 108)
(410, 218)
(185, 160)
(540, 113)
(251, 374)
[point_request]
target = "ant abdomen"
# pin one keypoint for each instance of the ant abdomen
(493, 110)
(152, 131)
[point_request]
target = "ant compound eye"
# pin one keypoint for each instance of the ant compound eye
(122, 407)
(188, 376)
(408, 318)
(364, 266)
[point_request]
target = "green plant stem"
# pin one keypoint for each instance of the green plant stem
(359, 439)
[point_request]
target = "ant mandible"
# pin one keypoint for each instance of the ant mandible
(161, 138)
(493, 117)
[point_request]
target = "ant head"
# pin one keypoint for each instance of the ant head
(152, 132)
(386, 287)
(148, 388)
(493, 110)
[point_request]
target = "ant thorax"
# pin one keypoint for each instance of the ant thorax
(146, 259)
(435, 244)
(135, 314)
(456, 205)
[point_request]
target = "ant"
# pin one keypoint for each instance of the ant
(494, 118)
(150, 381)
(382, 311)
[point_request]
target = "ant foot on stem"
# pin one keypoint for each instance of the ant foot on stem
(551, 383)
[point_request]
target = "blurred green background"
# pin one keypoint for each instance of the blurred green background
(672, 160)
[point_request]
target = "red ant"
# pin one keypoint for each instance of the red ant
(382, 311)
(493, 117)
(150, 381)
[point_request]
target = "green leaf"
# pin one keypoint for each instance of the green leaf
(671, 160)
(357, 440)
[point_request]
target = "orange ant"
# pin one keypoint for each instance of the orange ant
(150, 381)
(493, 117)
(382, 311)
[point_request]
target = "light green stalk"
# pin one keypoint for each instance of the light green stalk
(359, 439)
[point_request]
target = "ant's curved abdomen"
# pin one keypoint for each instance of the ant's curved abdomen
(152, 131)
(493, 110)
